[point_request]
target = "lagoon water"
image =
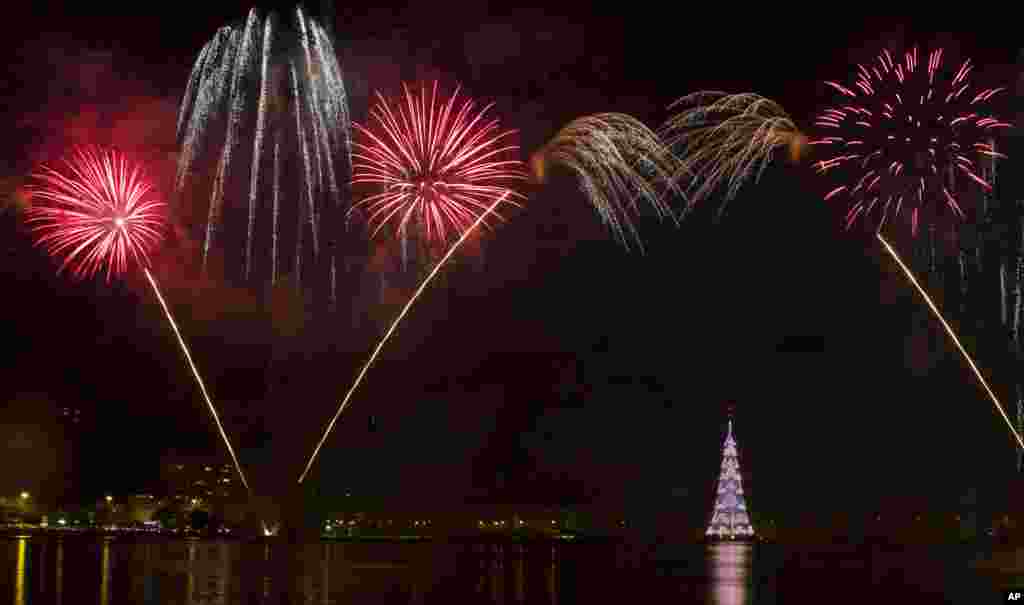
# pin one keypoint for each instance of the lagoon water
(80, 570)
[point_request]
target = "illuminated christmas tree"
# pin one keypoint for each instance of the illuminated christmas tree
(729, 519)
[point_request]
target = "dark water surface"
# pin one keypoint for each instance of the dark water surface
(80, 570)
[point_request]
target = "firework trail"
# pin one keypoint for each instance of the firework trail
(618, 160)
(952, 335)
(905, 136)
(101, 212)
(195, 374)
(724, 140)
(440, 165)
(266, 107)
(391, 329)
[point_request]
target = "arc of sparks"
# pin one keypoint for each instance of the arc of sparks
(195, 373)
(391, 330)
(952, 335)
(102, 211)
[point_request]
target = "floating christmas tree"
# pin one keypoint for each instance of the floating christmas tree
(730, 520)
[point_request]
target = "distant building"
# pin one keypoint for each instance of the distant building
(467, 521)
(191, 482)
(132, 509)
(70, 415)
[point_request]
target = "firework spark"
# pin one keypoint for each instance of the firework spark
(101, 211)
(439, 165)
(265, 138)
(394, 325)
(618, 160)
(906, 136)
(952, 335)
(724, 140)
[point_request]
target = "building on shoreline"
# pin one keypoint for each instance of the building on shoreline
(210, 484)
(483, 520)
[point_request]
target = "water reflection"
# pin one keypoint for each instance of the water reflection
(196, 571)
(105, 573)
(190, 571)
(552, 577)
(59, 590)
(20, 571)
(325, 567)
(266, 578)
(36, 570)
(41, 568)
(730, 565)
(209, 569)
(519, 573)
(146, 581)
(497, 568)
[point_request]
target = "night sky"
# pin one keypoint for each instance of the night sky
(550, 366)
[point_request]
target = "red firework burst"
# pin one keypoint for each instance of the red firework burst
(100, 210)
(910, 137)
(439, 166)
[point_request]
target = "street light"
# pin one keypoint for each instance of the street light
(110, 499)
(25, 496)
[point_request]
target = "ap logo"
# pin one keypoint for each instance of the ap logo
(1014, 596)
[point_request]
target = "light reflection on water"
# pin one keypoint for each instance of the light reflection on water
(20, 572)
(59, 588)
(730, 572)
(105, 573)
(39, 570)
(551, 574)
(193, 571)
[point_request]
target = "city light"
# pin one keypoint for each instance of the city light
(25, 495)
(110, 499)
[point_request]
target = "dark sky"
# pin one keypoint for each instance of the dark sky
(557, 366)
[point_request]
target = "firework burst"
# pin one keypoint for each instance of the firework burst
(618, 161)
(265, 145)
(98, 212)
(907, 138)
(724, 140)
(438, 165)
(102, 211)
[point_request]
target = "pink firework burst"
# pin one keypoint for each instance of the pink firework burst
(97, 211)
(909, 138)
(438, 165)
